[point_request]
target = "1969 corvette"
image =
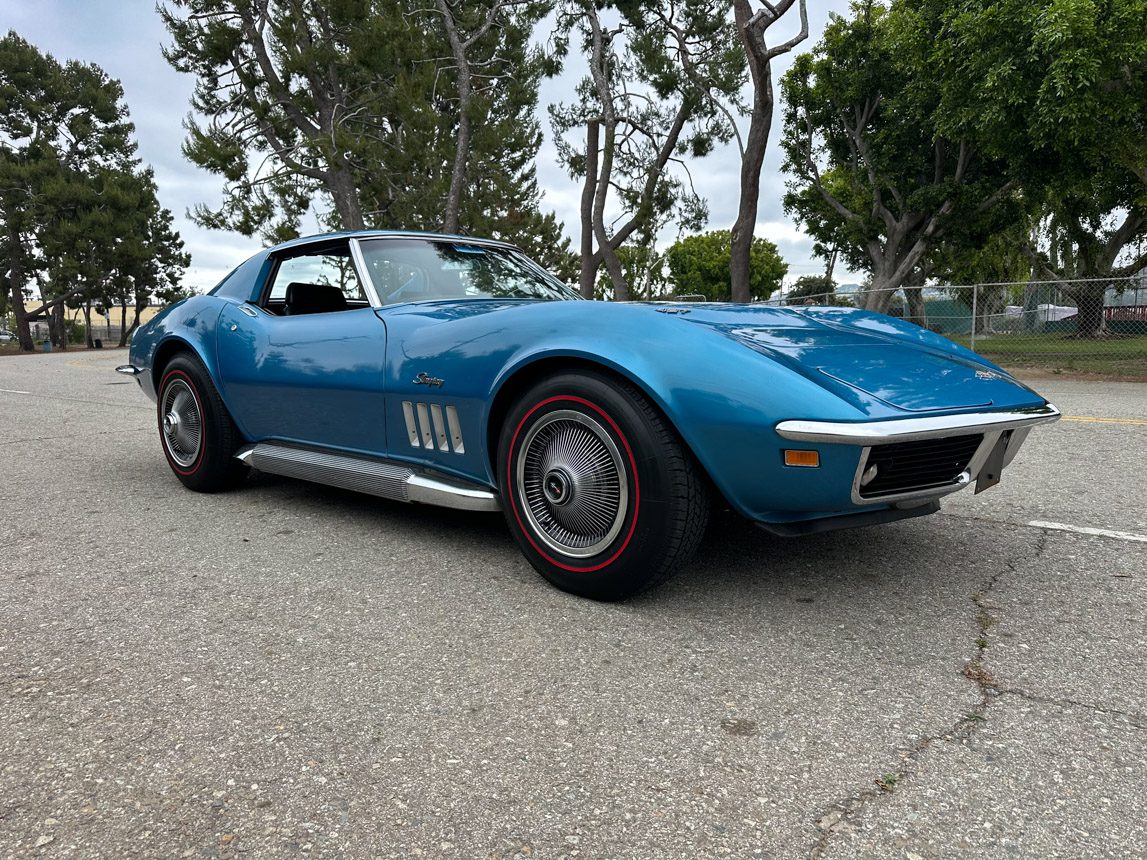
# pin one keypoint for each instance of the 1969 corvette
(455, 371)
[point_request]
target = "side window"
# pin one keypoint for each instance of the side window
(314, 283)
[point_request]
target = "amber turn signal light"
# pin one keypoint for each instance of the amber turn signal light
(802, 458)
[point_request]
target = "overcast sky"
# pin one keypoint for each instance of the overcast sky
(124, 37)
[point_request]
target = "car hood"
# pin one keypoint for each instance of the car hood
(875, 363)
(865, 355)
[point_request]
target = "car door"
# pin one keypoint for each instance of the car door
(303, 370)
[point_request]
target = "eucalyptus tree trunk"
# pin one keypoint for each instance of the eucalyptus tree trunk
(588, 267)
(753, 27)
(465, 88)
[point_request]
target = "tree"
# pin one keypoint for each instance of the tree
(281, 91)
(659, 80)
(371, 112)
(874, 172)
(644, 269)
(753, 28)
(811, 290)
(63, 132)
(699, 265)
(468, 30)
(1058, 88)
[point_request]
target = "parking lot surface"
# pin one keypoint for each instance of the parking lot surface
(289, 670)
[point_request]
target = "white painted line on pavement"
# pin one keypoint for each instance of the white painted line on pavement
(13, 391)
(1085, 530)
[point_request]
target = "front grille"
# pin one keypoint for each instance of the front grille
(905, 467)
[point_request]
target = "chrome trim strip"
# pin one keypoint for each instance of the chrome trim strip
(912, 429)
(455, 430)
(411, 428)
(129, 370)
(383, 478)
(248, 310)
(433, 491)
(364, 274)
(424, 426)
(351, 473)
(439, 426)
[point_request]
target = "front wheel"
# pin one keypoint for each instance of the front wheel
(198, 436)
(602, 496)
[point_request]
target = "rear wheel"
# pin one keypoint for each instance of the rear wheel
(198, 436)
(602, 496)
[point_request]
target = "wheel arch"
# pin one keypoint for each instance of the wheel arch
(521, 379)
(165, 352)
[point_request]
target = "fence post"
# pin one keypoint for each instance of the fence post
(975, 294)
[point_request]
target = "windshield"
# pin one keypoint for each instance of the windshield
(411, 270)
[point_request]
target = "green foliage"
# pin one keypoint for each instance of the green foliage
(662, 81)
(875, 172)
(812, 289)
(1057, 89)
(699, 265)
(352, 108)
(80, 215)
(541, 237)
(644, 269)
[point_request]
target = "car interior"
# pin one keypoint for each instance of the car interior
(320, 280)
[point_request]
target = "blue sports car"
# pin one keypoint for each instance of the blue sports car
(455, 371)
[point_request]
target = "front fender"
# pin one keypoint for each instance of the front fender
(723, 399)
(186, 325)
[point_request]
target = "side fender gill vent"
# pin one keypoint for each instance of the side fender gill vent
(430, 426)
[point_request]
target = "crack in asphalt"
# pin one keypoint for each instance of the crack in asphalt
(86, 435)
(89, 401)
(1136, 720)
(838, 816)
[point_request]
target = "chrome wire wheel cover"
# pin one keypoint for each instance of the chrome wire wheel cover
(571, 484)
(182, 424)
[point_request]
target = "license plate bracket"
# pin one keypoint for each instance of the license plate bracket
(992, 470)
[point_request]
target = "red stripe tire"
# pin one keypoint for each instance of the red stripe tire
(198, 437)
(602, 496)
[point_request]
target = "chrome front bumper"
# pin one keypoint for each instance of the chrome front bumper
(993, 425)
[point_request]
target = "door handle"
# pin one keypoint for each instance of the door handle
(248, 310)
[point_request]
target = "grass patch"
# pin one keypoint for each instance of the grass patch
(1110, 356)
(887, 781)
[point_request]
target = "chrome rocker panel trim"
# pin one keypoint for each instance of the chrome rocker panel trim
(386, 479)
(913, 429)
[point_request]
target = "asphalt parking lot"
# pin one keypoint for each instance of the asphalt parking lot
(289, 670)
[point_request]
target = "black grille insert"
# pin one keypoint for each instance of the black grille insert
(904, 467)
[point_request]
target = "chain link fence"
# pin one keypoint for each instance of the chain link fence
(106, 333)
(1097, 325)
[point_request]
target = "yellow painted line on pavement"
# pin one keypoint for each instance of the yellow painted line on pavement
(1095, 419)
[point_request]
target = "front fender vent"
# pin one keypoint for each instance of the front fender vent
(430, 426)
